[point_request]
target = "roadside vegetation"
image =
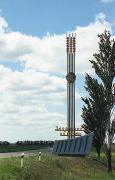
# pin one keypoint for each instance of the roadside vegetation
(18, 148)
(24, 146)
(57, 168)
(98, 111)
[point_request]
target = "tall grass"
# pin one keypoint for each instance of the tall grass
(53, 168)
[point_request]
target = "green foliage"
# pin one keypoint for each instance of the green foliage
(22, 147)
(104, 63)
(53, 168)
(96, 112)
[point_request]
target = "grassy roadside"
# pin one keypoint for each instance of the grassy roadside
(54, 168)
(17, 148)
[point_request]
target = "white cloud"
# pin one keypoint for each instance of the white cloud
(3, 24)
(107, 1)
(48, 54)
(30, 99)
(24, 100)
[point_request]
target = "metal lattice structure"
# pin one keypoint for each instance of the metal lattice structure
(71, 49)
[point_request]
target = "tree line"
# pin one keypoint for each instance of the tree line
(28, 143)
(34, 142)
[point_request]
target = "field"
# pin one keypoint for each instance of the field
(56, 168)
(22, 147)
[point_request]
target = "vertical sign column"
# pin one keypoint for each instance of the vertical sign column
(71, 48)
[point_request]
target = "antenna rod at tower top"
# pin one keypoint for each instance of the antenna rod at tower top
(71, 43)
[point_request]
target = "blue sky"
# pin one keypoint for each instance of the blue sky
(37, 17)
(33, 61)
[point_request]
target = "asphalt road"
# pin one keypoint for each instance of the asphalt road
(26, 153)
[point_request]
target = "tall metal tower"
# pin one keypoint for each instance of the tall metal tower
(71, 49)
(70, 131)
(68, 147)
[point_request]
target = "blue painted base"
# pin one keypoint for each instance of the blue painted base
(79, 146)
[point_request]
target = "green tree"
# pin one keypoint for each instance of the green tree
(104, 66)
(94, 112)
